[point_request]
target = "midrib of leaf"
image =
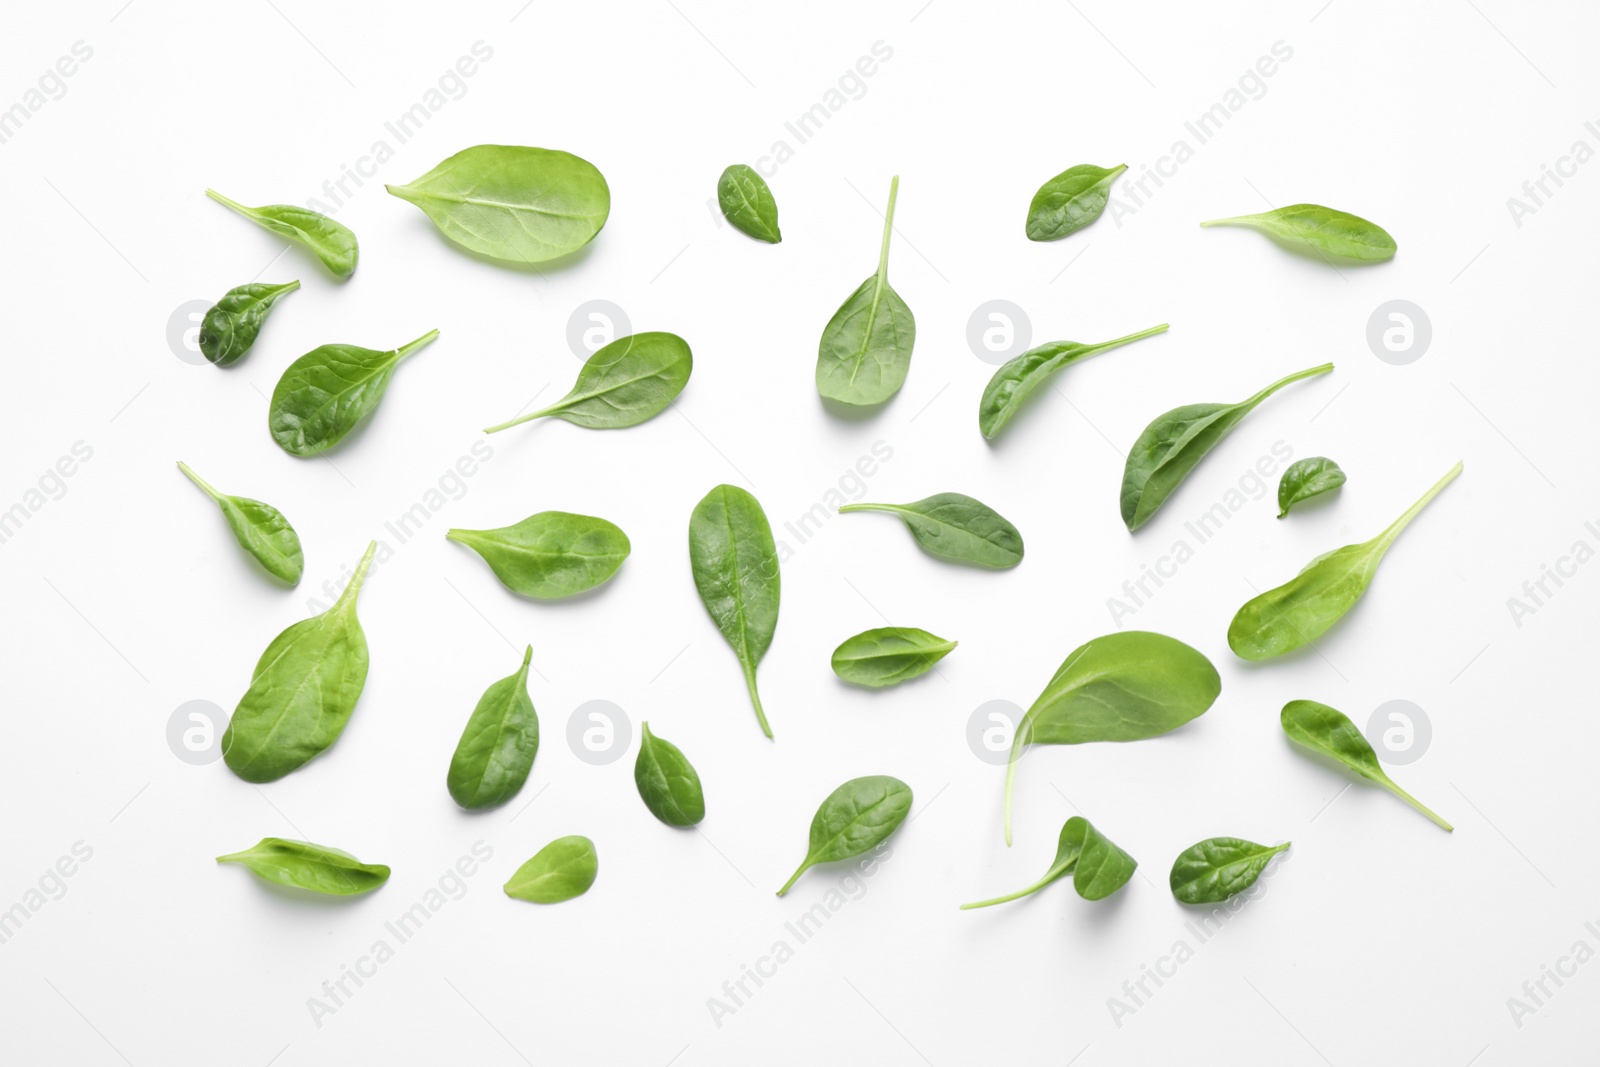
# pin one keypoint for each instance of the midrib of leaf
(500, 726)
(479, 201)
(880, 284)
(858, 818)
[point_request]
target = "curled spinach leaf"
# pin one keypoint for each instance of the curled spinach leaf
(260, 529)
(1330, 732)
(630, 380)
(563, 869)
(1305, 479)
(496, 750)
(1213, 870)
(747, 203)
(859, 815)
(1305, 607)
(233, 323)
(1323, 231)
(1175, 443)
(1016, 381)
(302, 865)
(667, 781)
(324, 393)
(1070, 201)
(332, 243)
(513, 203)
(1121, 687)
(550, 555)
(1098, 867)
(302, 693)
(735, 564)
(955, 526)
(889, 655)
(866, 347)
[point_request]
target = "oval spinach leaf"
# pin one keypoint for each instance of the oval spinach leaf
(508, 202)
(260, 529)
(866, 347)
(324, 393)
(1213, 870)
(302, 865)
(1305, 479)
(1322, 231)
(857, 816)
(1016, 381)
(630, 380)
(747, 203)
(1175, 443)
(1305, 607)
(1070, 201)
(563, 869)
(496, 750)
(550, 555)
(232, 324)
(889, 655)
(332, 243)
(735, 564)
(1124, 686)
(1098, 867)
(1330, 732)
(957, 527)
(667, 781)
(303, 690)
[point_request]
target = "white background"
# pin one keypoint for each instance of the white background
(1379, 939)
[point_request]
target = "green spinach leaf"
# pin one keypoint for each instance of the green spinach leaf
(1305, 479)
(630, 380)
(1124, 686)
(1321, 230)
(303, 690)
(1070, 201)
(260, 529)
(302, 865)
(496, 750)
(667, 781)
(332, 243)
(1305, 607)
(1017, 380)
(747, 203)
(1098, 867)
(866, 347)
(954, 526)
(233, 323)
(889, 655)
(324, 393)
(859, 815)
(550, 555)
(563, 869)
(1175, 443)
(1215, 869)
(512, 203)
(735, 564)
(1330, 732)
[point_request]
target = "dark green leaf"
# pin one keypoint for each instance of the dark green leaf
(1013, 383)
(866, 347)
(1098, 867)
(1320, 231)
(563, 869)
(889, 655)
(957, 527)
(550, 555)
(260, 529)
(334, 244)
(1306, 479)
(327, 391)
(735, 564)
(747, 203)
(1330, 732)
(667, 781)
(302, 865)
(857, 816)
(1215, 869)
(1070, 201)
(496, 750)
(630, 380)
(232, 324)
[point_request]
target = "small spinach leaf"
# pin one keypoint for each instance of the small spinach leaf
(630, 380)
(735, 564)
(333, 243)
(747, 203)
(563, 869)
(1121, 687)
(1175, 443)
(1098, 867)
(302, 865)
(302, 693)
(1330, 732)
(1305, 479)
(889, 655)
(1016, 381)
(1305, 607)
(550, 555)
(232, 324)
(866, 347)
(667, 781)
(955, 526)
(1070, 201)
(513, 203)
(496, 749)
(857, 816)
(260, 529)
(324, 393)
(1215, 869)
(1323, 231)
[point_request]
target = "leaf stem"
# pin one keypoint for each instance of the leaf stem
(1309, 372)
(1119, 342)
(1388, 536)
(225, 202)
(1235, 220)
(352, 590)
(1018, 743)
(406, 349)
(1049, 877)
(761, 715)
(529, 417)
(888, 228)
(201, 482)
(795, 877)
(1419, 805)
